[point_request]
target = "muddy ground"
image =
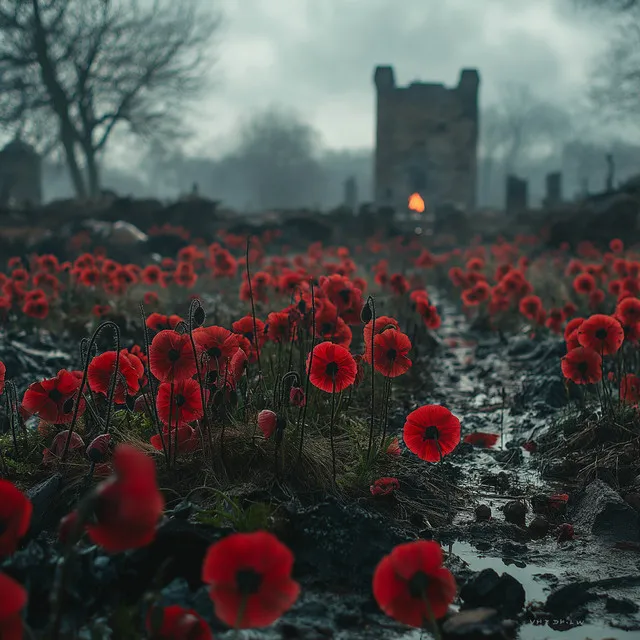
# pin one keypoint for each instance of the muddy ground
(526, 583)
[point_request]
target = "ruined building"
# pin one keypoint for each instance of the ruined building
(426, 141)
(20, 175)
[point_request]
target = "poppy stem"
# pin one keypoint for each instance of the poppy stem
(241, 610)
(333, 419)
(12, 423)
(253, 311)
(372, 305)
(387, 402)
(307, 382)
(432, 619)
(169, 424)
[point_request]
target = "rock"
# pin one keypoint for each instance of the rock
(568, 598)
(477, 623)
(601, 511)
(538, 527)
(520, 346)
(488, 589)
(483, 513)
(515, 512)
(620, 605)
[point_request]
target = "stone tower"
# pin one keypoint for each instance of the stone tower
(426, 141)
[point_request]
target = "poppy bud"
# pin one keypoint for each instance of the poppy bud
(302, 307)
(98, 450)
(297, 397)
(366, 315)
(140, 405)
(199, 316)
(267, 422)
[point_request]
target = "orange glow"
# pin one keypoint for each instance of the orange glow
(416, 203)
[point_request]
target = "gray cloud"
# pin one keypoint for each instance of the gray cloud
(318, 56)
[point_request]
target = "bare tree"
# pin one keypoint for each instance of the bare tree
(74, 71)
(278, 158)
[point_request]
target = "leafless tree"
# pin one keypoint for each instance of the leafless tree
(278, 159)
(74, 71)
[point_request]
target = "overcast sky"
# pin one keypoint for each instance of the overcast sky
(318, 56)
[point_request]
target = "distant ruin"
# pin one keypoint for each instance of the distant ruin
(20, 175)
(426, 141)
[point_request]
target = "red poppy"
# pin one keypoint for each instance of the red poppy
(54, 399)
(584, 283)
(38, 308)
(630, 388)
(411, 586)
(384, 486)
(218, 343)
(480, 439)
(187, 402)
(431, 432)
(390, 353)
(582, 366)
(15, 516)
(569, 309)
(629, 310)
(530, 307)
(572, 325)
(127, 505)
(171, 356)
(245, 327)
(268, 422)
(249, 578)
(603, 334)
(3, 372)
(76, 443)
(531, 446)
(558, 501)
(176, 623)
(332, 368)
(102, 368)
(151, 274)
(98, 448)
(14, 598)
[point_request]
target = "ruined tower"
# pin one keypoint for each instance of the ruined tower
(426, 141)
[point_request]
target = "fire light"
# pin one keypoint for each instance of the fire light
(416, 203)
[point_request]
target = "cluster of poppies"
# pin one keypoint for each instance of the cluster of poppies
(249, 574)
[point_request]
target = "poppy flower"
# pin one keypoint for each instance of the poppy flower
(381, 323)
(431, 432)
(3, 372)
(390, 353)
(269, 422)
(76, 443)
(54, 399)
(14, 598)
(630, 388)
(572, 325)
(384, 486)
(249, 578)
(332, 368)
(15, 516)
(171, 356)
(101, 370)
(245, 327)
(530, 307)
(604, 334)
(531, 446)
(98, 448)
(479, 439)
(151, 274)
(218, 343)
(558, 501)
(584, 284)
(582, 366)
(128, 505)
(411, 586)
(187, 402)
(176, 623)
(629, 310)
(38, 308)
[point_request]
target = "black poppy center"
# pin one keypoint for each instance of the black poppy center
(180, 400)
(345, 294)
(392, 354)
(249, 336)
(173, 355)
(583, 367)
(248, 581)
(327, 327)
(4, 525)
(55, 395)
(430, 433)
(332, 369)
(601, 334)
(214, 352)
(418, 584)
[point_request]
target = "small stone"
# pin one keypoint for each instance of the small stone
(483, 513)
(475, 623)
(539, 527)
(621, 605)
(488, 589)
(515, 512)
